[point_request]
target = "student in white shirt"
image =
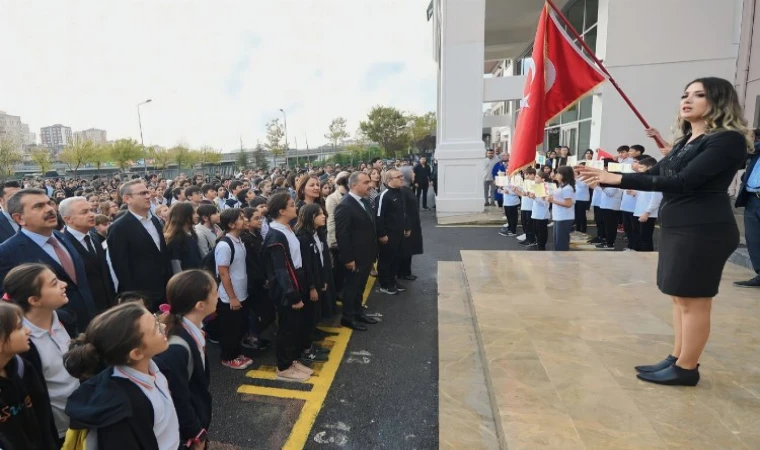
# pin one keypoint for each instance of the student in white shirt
(646, 210)
(115, 357)
(596, 200)
(540, 214)
(233, 289)
(36, 289)
(563, 210)
(526, 210)
(610, 207)
(582, 203)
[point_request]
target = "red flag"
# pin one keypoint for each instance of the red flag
(601, 154)
(558, 76)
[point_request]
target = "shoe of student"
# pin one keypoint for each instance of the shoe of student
(409, 277)
(239, 363)
(503, 217)
(353, 324)
(389, 291)
(292, 374)
(316, 348)
(551, 224)
(672, 376)
(363, 318)
(511, 234)
(303, 368)
(667, 362)
(252, 343)
(753, 283)
(604, 247)
(400, 287)
(311, 357)
(522, 237)
(212, 340)
(504, 232)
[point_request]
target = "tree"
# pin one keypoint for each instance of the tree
(337, 131)
(10, 155)
(259, 158)
(242, 160)
(421, 131)
(388, 127)
(41, 157)
(77, 154)
(207, 156)
(161, 158)
(275, 133)
(182, 156)
(101, 154)
(125, 152)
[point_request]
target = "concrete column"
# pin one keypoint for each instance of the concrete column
(460, 147)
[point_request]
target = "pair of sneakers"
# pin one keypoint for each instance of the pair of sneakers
(393, 290)
(239, 363)
(296, 372)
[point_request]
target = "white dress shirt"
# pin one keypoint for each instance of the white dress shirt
(293, 243)
(43, 242)
(237, 268)
(148, 224)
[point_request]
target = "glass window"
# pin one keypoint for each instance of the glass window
(571, 115)
(554, 121)
(584, 136)
(590, 38)
(551, 139)
(575, 15)
(592, 11)
(586, 107)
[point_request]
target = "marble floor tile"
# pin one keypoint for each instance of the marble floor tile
(561, 333)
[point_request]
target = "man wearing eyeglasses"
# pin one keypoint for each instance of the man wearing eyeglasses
(136, 246)
(392, 225)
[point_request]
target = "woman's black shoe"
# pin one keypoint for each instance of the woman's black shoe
(667, 362)
(672, 376)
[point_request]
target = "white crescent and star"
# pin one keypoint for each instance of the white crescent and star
(551, 77)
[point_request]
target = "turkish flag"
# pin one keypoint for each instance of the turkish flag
(558, 76)
(601, 154)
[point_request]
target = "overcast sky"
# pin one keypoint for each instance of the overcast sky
(216, 70)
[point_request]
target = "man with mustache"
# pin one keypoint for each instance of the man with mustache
(38, 242)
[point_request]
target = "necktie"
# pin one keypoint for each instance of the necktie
(63, 256)
(88, 243)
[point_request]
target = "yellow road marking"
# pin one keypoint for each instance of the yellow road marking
(321, 383)
(274, 392)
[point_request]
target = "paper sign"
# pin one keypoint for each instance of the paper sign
(539, 189)
(596, 164)
(501, 181)
(540, 159)
(619, 168)
(572, 161)
(550, 188)
(528, 185)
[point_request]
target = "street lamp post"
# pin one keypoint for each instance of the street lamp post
(285, 121)
(139, 122)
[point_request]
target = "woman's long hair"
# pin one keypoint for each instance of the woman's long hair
(180, 216)
(724, 112)
(568, 176)
(183, 291)
(306, 216)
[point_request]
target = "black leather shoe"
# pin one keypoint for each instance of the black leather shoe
(353, 324)
(667, 362)
(753, 283)
(672, 376)
(367, 319)
(409, 277)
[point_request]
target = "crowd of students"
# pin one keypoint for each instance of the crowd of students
(262, 264)
(565, 210)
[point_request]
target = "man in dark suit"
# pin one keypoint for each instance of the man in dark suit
(422, 175)
(357, 248)
(748, 196)
(137, 248)
(38, 242)
(79, 220)
(8, 227)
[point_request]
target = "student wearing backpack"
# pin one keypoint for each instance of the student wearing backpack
(230, 258)
(192, 296)
(39, 293)
(24, 404)
(127, 405)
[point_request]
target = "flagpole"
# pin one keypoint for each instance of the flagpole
(660, 143)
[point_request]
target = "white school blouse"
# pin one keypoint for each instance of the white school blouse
(560, 212)
(648, 202)
(611, 199)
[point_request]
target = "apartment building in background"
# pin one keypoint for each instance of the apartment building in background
(14, 130)
(93, 135)
(55, 136)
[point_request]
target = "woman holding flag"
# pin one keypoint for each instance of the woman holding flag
(698, 229)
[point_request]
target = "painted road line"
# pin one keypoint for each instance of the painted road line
(274, 392)
(270, 373)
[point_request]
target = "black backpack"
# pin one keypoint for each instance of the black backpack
(208, 262)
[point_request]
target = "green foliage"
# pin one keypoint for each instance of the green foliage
(388, 127)
(242, 160)
(337, 131)
(260, 159)
(41, 157)
(275, 133)
(422, 131)
(161, 158)
(125, 152)
(207, 156)
(182, 157)
(77, 154)
(100, 155)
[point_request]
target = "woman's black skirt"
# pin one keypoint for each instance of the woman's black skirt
(691, 259)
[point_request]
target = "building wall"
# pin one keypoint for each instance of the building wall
(653, 48)
(748, 68)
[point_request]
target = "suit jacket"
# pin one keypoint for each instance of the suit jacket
(98, 275)
(138, 264)
(742, 196)
(355, 233)
(20, 249)
(6, 229)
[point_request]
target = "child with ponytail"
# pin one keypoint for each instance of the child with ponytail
(26, 417)
(192, 296)
(128, 404)
(39, 293)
